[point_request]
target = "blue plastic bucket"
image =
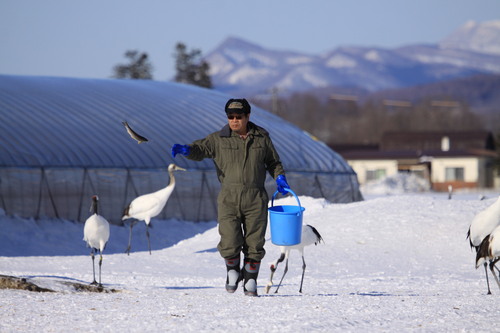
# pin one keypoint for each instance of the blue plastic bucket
(286, 223)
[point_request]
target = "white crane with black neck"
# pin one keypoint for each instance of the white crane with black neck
(309, 236)
(483, 235)
(96, 235)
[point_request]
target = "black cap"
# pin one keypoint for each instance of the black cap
(237, 105)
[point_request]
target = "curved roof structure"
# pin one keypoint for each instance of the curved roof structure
(78, 122)
(53, 122)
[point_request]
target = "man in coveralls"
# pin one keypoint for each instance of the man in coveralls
(242, 153)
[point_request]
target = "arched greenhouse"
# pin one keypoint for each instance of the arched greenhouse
(63, 141)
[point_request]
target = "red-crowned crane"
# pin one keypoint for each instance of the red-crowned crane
(479, 235)
(96, 234)
(309, 236)
(489, 251)
(147, 206)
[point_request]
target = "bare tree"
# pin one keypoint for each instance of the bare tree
(497, 158)
(338, 121)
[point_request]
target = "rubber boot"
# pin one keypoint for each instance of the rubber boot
(233, 274)
(250, 274)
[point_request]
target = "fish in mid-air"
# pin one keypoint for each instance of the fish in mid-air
(133, 134)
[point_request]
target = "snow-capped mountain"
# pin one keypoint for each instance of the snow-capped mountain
(473, 36)
(239, 67)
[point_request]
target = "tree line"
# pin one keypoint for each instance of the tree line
(189, 65)
(340, 121)
(335, 120)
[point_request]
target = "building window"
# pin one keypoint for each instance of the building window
(375, 174)
(453, 174)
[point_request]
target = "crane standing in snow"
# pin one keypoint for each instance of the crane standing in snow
(489, 251)
(96, 234)
(149, 205)
(484, 238)
(309, 236)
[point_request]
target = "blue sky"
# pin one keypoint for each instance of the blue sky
(87, 38)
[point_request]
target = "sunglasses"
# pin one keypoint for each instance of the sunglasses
(231, 117)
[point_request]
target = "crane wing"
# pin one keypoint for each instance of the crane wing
(145, 206)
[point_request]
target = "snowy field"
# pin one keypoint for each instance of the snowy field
(397, 262)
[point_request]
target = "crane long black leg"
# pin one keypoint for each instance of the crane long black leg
(130, 237)
(93, 266)
(303, 271)
(280, 259)
(495, 266)
(284, 272)
(147, 235)
(492, 268)
(100, 264)
(487, 280)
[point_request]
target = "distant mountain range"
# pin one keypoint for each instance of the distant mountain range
(241, 68)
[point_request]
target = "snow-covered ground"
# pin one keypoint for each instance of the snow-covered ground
(398, 261)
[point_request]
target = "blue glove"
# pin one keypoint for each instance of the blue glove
(180, 149)
(283, 186)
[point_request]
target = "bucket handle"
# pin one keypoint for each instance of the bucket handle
(295, 195)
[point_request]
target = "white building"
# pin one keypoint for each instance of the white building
(459, 159)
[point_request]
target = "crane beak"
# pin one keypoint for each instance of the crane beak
(178, 168)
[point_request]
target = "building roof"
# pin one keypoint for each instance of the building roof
(415, 145)
(70, 122)
(408, 154)
(63, 141)
(432, 140)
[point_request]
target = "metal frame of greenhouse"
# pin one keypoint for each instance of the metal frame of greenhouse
(63, 141)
